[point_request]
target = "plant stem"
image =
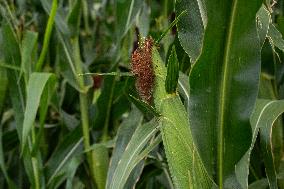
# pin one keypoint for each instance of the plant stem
(34, 161)
(83, 105)
(86, 17)
(106, 123)
(47, 35)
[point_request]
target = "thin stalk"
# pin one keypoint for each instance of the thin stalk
(105, 129)
(83, 105)
(108, 74)
(47, 35)
(86, 17)
(170, 27)
(36, 174)
(34, 162)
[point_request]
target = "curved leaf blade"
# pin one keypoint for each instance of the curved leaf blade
(264, 115)
(36, 85)
(191, 26)
(127, 161)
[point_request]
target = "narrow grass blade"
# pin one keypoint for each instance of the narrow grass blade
(35, 88)
(263, 21)
(126, 12)
(264, 115)
(69, 147)
(275, 37)
(47, 35)
(27, 48)
(138, 141)
(259, 184)
(125, 132)
(191, 38)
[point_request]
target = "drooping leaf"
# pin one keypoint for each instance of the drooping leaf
(127, 128)
(12, 56)
(262, 119)
(224, 86)
(126, 11)
(69, 147)
(35, 88)
(191, 26)
(259, 184)
(127, 161)
(27, 48)
(275, 37)
(263, 21)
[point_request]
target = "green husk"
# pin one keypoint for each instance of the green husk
(186, 167)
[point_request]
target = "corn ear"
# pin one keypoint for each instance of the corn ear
(186, 167)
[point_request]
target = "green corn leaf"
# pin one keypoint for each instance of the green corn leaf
(101, 159)
(126, 11)
(224, 85)
(265, 115)
(187, 169)
(275, 37)
(74, 18)
(127, 129)
(172, 72)
(27, 49)
(35, 88)
(263, 21)
(12, 56)
(262, 119)
(259, 184)
(128, 159)
(191, 26)
(68, 148)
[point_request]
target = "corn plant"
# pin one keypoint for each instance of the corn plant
(141, 94)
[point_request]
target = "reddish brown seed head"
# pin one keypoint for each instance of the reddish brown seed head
(141, 66)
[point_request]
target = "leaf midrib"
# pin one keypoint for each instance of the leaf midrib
(224, 87)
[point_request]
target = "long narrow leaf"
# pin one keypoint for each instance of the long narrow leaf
(36, 85)
(138, 141)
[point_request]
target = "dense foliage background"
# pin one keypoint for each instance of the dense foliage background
(63, 127)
